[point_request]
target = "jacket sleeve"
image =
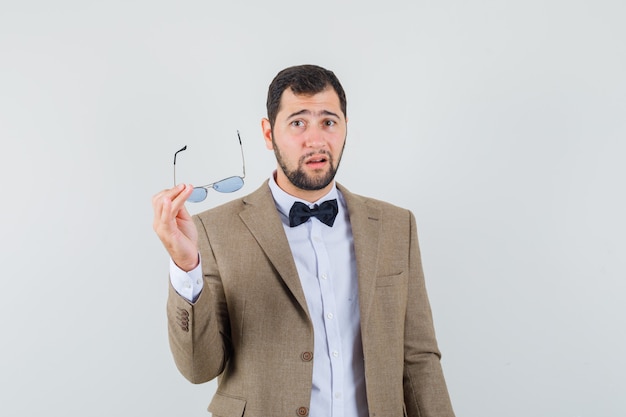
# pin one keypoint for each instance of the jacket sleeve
(199, 332)
(425, 391)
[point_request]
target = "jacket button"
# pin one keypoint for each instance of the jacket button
(303, 411)
(307, 356)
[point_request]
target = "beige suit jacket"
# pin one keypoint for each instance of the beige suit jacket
(250, 326)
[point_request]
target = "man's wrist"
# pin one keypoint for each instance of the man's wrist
(188, 265)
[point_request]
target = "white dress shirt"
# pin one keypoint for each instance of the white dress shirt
(326, 264)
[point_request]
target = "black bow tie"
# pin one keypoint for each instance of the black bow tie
(325, 212)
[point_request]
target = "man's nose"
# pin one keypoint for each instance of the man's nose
(314, 137)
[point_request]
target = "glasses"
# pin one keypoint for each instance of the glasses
(227, 185)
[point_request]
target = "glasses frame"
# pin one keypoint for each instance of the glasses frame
(207, 187)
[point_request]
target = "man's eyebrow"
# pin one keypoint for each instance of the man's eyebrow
(308, 112)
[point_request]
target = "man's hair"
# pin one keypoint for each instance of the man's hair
(303, 80)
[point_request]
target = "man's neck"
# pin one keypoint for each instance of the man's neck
(310, 196)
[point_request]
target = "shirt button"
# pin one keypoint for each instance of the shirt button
(330, 315)
(337, 395)
(198, 282)
(324, 275)
(335, 353)
(187, 285)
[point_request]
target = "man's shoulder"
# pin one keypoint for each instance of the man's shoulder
(358, 199)
(228, 208)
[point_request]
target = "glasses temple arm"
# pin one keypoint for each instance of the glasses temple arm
(176, 153)
(243, 160)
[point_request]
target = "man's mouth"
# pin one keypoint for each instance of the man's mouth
(316, 160)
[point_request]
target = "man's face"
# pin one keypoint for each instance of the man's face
(307, 139)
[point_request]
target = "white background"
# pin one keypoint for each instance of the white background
(500, 124)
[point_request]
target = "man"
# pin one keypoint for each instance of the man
(325, 315)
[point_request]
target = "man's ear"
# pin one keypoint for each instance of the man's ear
(266, 127)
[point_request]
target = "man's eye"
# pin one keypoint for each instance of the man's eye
(297, 123)
(330, 123)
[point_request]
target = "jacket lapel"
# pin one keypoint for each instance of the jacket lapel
(365, 222)
(263, 221)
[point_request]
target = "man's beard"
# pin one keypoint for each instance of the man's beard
(300, 178)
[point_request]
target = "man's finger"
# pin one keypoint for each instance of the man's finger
(178, 202)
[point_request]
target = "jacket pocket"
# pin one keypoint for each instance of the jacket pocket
(224, 405)
(388, 280)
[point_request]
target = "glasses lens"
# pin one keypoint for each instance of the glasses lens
(228, 185)
(198, 195)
